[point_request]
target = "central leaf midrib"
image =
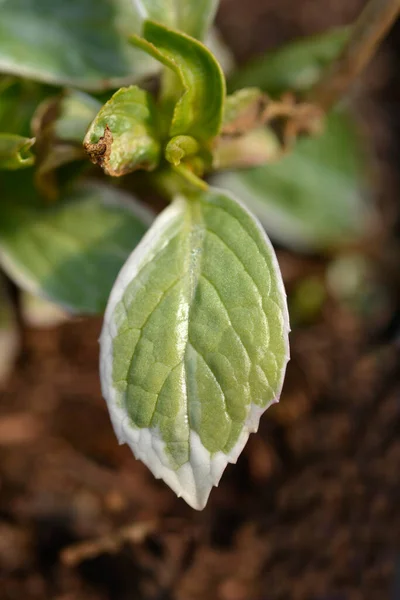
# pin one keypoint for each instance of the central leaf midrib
(193, 272)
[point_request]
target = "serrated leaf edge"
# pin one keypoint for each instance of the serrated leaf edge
(194, 480)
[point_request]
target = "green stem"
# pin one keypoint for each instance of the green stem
(172, 181)
(365, 36)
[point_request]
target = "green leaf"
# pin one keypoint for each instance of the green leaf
(179, 147)
(80, 42)
(9, 335)
(15, 151)
(76, 111)
(122, 137)
(65, 117)
(70, 252)
(198, 112)
(19, 99)
(315, 197)
(294, 67)
(193, 17)
(195, 341)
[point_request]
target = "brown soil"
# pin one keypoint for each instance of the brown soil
(310, 512)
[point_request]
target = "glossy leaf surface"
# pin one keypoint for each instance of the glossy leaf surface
(70, 252)
(191, 17)
(313, 198)
(122, 137)
(15, 151)
(195, 341)
(199, 110)
(80, 42)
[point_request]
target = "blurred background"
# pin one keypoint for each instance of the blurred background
(311, 510)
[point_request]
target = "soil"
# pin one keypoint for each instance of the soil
(310, 511)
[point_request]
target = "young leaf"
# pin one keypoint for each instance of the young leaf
(313, 198)
(15, 151)
(294, 67)
(195, 341)
(198, 112)
(71, 252)
(179, 147)
(122, 138)
(80, 42)
(244, 111)
(191, 17)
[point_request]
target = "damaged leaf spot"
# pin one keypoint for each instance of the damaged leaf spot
(99, 152)
(122, 138)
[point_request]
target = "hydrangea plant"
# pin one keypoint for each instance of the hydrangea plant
(194, 344)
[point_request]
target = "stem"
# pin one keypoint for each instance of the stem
(366, 34)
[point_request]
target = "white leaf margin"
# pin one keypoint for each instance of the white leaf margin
(194, 480)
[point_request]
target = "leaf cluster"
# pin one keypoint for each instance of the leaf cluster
(195, 338)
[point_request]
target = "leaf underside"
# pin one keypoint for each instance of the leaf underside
(195, 341)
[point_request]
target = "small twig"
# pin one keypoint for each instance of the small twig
(298, 118)
(136, 533)
(365, 36)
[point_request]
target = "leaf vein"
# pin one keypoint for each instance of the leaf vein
(237, 258)
(250, 237)
(213, 374)
(227, 314)
(141, 329)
